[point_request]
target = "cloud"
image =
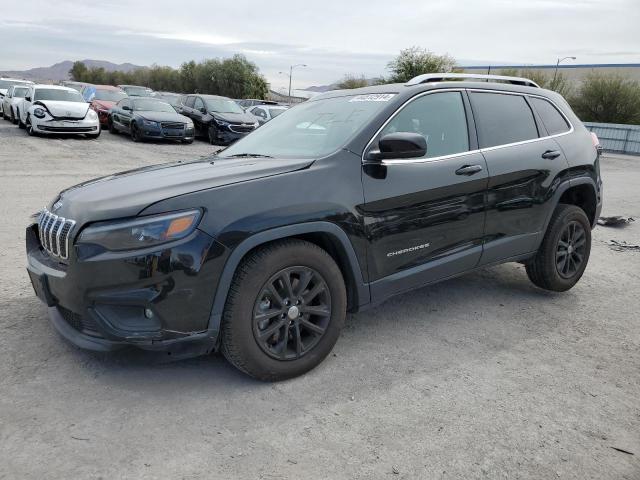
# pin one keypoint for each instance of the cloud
(333, 38)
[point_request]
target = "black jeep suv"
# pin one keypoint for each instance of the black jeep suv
(334, 206)
(218, 119)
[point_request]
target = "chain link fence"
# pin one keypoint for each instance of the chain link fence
(617, 138)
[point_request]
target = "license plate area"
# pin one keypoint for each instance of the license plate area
(41, 287)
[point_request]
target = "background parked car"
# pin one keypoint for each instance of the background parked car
(150, 118)
(136, 90)
(102, 98)
(75, 85)
(266, 112)
(49, 109)
(219, 119)
(250, 102)
(5, 83)
(173, 99)
(10, 101)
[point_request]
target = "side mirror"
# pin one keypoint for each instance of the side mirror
(125, 107)
(202, 110)
(27, 98)
(399, 145)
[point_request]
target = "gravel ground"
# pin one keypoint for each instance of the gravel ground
(483, 376)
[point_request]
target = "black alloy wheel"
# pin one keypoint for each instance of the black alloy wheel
(571, 249)
(135, 133)
(112, 127)
(30, 131)
(212, 134)
(291, 313)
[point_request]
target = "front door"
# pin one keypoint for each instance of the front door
(425, 217)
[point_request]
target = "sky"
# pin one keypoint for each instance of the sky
(333, 38)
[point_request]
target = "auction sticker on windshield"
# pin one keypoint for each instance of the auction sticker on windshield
(373, 97)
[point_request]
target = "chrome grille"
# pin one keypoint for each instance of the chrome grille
(54, 233)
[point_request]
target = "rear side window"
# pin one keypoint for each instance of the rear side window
(190, 101)
(502, 119)
(552, 119)
(440, 118)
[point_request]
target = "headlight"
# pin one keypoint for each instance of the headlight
(91, 115)
(39, 113)
(256, 125)
(149, 123)
(141, 232)
(222, 123)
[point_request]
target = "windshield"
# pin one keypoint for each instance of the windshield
(311, 129)
(152, 106)
(137, 91)
(171, 99)
(109, 95)
(57, 95)
(20, 92)
(5, 84)
(222, 105)
(276, 111)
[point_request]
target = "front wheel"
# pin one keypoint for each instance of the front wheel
(212, 134)
(136, 136)
(30, 131)
(20, 123)
(13, 118)
(564, 253)
(284, 312)
(112, 127)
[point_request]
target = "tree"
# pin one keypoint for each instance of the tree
(350, 81)
(608, 98)
(78, 71)
(416, 61)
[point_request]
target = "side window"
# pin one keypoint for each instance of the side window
(124, 103)
(259, 112)
(502, 119)
(189, 102)
(10, 92)
(552, 119)
(440, 118)
(198, 104)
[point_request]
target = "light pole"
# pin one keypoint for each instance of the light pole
(555, 73)
(291, 75)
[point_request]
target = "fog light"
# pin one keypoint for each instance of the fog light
(148, 313)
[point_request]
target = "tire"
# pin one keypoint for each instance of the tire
(547, 269)
(188, 142)
(243, 320)
(20, 124)
(13, 118)
(212, 133)
(135, 133)
(112, 127)
(30, 131)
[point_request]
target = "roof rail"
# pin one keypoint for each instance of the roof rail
(439, 77)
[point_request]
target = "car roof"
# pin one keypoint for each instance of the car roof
(54, 87)
(212, 96)
(105, 87)
(404, 90)
(11, 79)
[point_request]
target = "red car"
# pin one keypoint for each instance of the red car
(102, 98)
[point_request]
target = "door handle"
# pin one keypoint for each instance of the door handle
(551, 154)
(469, 170)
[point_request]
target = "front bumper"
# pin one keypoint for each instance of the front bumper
(102, 302)
(160, 132)
(225, 135)
(52, 126)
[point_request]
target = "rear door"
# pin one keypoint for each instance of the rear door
(424, 217)
(524, 164)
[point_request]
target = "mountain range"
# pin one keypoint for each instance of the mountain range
(60, 71)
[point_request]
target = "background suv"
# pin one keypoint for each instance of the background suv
(219, 119)
(334, 206)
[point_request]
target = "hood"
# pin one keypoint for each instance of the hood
(3, 91)
(162, 116)
(103, 104)
(65, 109)
(126, 194)
(243, 117)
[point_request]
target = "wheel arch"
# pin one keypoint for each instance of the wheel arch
(326, 235)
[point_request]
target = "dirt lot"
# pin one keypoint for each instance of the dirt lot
(479, 377)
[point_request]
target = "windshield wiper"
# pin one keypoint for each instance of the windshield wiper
(249, 155)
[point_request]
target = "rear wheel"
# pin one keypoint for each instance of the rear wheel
(564, 253)
(285, 309)
(112, 127)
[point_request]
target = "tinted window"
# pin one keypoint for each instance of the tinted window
(198, 104)
(276, 111)
(151, 105)
(259, 112)
(19, 91)
(190, 101)
(552, 119)
(124, 103)
(440, 118)
(109, 95)
(223, 105)
(57, 95)
(502, 119)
